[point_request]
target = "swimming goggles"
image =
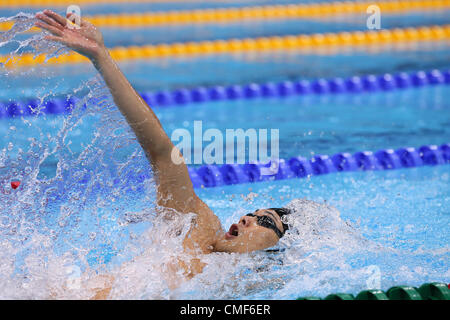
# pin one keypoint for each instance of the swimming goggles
(266, 222)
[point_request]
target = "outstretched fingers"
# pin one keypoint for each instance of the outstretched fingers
(53, 30)
(58, 18)
(49, 21)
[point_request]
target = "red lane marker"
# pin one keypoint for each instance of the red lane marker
(15, 184)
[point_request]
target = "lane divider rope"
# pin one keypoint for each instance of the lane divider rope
(293, 42)
(427, 291)
(283, 89)
(209, 176)
(269, 12)
(65, 3)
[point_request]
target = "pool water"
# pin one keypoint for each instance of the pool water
(404, 214)
(242, 68)
(308, 125)
(86, 203)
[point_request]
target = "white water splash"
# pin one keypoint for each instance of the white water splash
(36, 44)
(93, 214)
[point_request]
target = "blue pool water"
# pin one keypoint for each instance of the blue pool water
(94, 8)
(78, 209)
(165, 34)
(185, 72)
(308, 125)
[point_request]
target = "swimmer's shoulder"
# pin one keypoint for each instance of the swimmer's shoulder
(205, 228)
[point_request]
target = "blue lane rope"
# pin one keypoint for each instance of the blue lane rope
(298, 167)
(352, 85)
(209, 176)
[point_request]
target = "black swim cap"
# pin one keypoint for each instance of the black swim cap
(282, 212)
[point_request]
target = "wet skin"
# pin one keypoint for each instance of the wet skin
(173, 184)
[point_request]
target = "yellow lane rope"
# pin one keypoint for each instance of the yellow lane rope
(314, 41)
(297, 11)
(62, 3)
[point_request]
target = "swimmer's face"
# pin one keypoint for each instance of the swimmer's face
(253, 232)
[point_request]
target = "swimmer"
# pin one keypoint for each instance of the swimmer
(255, 231)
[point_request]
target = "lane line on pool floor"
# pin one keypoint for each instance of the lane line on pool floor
(284, 89)
(294, 42)
(255, 13)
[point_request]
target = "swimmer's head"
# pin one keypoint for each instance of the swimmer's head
(255, 231)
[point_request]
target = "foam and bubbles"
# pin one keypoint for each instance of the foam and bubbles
(80, 177)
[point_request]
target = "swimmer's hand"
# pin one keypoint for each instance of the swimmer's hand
(86, 39)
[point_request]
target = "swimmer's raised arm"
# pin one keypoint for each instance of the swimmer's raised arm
(175, 188)
(255, 231)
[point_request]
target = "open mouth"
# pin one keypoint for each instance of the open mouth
(232, 233)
